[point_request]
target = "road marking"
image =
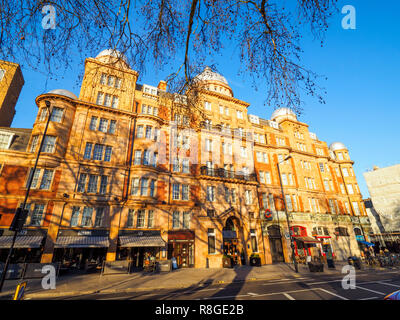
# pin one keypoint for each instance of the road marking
(225, 297)
(389, 284)
(323, 282)
(288, 296)
(210, 289)
(252, 294)
(370, 290)
(258, 295)
(333, 294)
(370, 298)
(284, 281)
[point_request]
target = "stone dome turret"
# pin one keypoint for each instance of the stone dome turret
(337, 146)
(209, 75)
(63, 92)
(112, 53)
(283, 113)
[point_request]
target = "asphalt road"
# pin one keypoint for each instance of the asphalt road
(369, 286)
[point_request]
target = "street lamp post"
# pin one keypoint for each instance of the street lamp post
(287, 215)
(4, 273)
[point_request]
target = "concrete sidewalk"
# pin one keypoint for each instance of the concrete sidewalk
(81, 284)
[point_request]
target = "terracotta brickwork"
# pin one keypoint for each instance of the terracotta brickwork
(115, 151)
(11, 82)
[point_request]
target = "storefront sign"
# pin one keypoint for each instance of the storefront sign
(268, 215)
(139, 233)
(181, 236)
(25, 232)
(83, 233)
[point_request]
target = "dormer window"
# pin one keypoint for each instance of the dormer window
(254, 119)
(5, 140)
(150, 90)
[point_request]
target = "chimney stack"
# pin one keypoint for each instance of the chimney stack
(162, 85)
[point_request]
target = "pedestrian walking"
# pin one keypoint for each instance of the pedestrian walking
(372, 251)
(329, 258)
(386, 251)
(368, 256)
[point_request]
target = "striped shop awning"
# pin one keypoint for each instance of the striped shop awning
(21, 242)
(135, 241)
(82, 242)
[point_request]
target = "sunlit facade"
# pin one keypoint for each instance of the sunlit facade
(123, 174)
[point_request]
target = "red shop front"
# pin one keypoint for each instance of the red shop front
(181, 247)
(302, 242)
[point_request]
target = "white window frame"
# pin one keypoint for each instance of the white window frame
(2, 74)
(10, 137)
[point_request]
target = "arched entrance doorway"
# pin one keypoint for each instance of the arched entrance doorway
(231, 244)
(275, 243)
(360, 239)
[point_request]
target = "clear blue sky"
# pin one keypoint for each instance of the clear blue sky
(362, 103)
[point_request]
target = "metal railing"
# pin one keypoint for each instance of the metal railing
(228, 174)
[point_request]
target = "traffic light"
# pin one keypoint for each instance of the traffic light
(19, 219)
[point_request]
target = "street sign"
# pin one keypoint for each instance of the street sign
(268, 214)
(20, 291)
(287, 235)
